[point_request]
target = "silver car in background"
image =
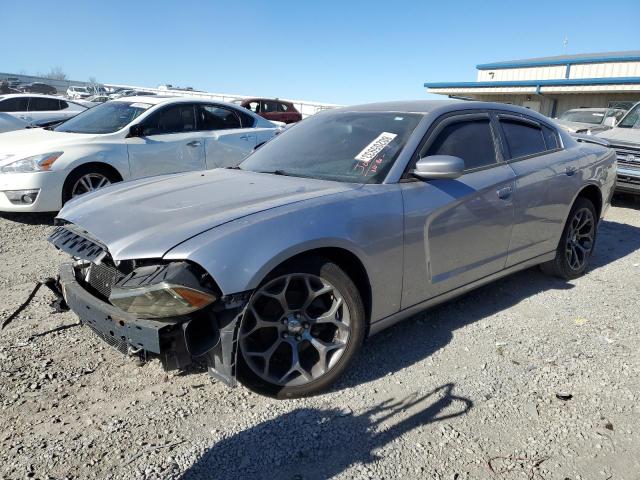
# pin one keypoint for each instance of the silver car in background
(346, 223)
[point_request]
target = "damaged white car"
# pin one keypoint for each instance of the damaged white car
(128, 138)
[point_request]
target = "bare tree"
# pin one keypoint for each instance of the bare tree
(56, 73)
(93, 80)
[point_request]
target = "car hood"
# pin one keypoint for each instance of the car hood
(32, 141)
(628, 136)
(147, 218)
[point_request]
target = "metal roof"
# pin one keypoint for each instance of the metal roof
(605, 57)
(537, 83)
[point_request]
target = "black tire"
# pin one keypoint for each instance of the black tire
(78, 173)
(560, 266)
(333, 274)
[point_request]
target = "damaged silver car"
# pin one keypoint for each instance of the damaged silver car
(350, 221)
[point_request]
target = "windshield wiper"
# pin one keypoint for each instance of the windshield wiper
(237, 167)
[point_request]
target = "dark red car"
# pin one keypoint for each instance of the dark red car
(277, 110)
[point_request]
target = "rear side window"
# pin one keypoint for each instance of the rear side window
(15, 104)
(523, 138)
(470, 140)
(37, 104)
(268, 106)
(211, 117)
(174, 119)
(246, 120)
(63, 105)
(550, 138)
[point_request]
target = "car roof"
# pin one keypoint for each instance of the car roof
(39, 95)
(440, 107)
(164, 100)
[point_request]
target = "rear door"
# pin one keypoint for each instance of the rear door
(457, 230)
(227, 140)
(171, 143)
(545, 184)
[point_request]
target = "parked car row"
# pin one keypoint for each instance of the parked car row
(126, 138)
(274, 263)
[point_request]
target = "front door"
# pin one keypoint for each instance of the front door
(170, 143)
(458, 230)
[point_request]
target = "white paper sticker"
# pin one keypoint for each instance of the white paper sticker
(141, 105)
(374, 148)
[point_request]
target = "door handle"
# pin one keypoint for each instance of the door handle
(570, 170)
(244, 137)
(194, 143)
(504, 193)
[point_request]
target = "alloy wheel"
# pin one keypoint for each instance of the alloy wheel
(295, 329)
(580, 238)
(89, 183)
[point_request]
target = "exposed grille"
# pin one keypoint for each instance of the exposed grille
(101, 278)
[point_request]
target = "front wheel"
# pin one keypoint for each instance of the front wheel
(577, 242)
(300, 330)
(86, 179)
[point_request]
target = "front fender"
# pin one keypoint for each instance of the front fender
(114, 155)
(367, 222)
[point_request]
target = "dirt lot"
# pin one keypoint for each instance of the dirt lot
(468, 390)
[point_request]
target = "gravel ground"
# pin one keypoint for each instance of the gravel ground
(468, 390)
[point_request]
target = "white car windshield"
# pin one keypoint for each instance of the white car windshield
(106, 118)
(357, 147)
(631, 119)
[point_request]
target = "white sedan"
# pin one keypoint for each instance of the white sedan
(123, 139)
(34, 110)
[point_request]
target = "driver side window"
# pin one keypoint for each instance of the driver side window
(173, 119)
(470, 140)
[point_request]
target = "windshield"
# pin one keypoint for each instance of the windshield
(583, 116)
(631, 119)
(106, 118)
(357, 147)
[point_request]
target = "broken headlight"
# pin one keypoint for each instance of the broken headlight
(161, 291)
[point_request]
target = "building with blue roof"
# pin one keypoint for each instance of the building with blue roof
(553, 85)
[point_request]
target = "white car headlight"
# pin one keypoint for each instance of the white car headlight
(36, 163)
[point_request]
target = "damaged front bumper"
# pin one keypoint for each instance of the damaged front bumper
(210, 333)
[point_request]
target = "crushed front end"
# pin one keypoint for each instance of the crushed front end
(172, 311)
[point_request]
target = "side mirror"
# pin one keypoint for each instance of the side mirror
(610, 121)
(136, 131)
(438, 166)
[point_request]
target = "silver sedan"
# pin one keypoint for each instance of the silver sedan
(350, 221)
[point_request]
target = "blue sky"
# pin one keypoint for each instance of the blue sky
(331, 51)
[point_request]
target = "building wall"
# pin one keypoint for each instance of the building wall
(563, 102)
(587, 70)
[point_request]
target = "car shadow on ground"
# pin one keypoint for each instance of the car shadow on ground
(312, 443)
(29, 218)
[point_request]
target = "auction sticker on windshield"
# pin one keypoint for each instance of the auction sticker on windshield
(374, 148)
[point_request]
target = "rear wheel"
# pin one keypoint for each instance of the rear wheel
(300, 330)
(87, 179)
(577, 242)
